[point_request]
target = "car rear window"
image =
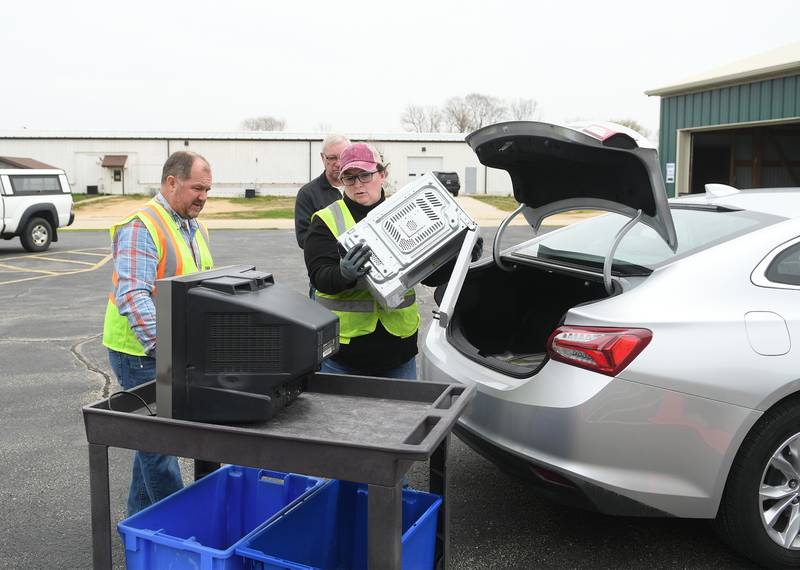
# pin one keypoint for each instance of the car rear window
(588, 242)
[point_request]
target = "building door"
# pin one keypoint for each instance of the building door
(112, 181)
(419, 165)
(117, 185)
(470, 179)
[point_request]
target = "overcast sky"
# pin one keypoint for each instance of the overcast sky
(354, 66)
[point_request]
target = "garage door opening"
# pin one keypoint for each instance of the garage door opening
(419, 165)
(753, 157)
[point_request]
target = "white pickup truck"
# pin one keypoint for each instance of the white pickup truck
(34, 203)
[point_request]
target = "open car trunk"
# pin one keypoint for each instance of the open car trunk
(503, 319)
(501, 316)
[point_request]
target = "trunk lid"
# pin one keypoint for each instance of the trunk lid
(557, 168)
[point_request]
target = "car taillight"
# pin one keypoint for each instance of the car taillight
(604, 350)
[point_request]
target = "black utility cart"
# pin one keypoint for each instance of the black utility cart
(362, 429)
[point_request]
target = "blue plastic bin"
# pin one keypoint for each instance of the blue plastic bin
(329, 530)
(200, 526)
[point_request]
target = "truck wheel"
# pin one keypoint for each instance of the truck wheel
(760, 510)
(37, 235)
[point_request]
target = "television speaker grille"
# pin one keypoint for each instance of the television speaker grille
(237, 345)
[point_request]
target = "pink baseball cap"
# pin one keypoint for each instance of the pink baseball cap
(360, 155)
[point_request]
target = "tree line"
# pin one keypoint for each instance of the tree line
(457, 114)
(467, 113)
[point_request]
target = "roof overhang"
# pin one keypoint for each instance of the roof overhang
(780, 62)
(115, 160)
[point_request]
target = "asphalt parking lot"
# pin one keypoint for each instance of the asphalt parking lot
(52, 363)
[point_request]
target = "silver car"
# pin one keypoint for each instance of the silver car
(640, 362)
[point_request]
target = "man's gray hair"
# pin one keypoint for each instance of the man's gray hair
(334, 139)
(179, 164)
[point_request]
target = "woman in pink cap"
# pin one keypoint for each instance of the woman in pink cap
(374, 341)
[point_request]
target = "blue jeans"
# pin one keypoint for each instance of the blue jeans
(154, 476)
(407, 370)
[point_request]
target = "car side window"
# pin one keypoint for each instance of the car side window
(785, 268)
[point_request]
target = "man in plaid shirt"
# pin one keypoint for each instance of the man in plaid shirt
(160, 240)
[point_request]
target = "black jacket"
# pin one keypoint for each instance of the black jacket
(312, 197)
(379, 350)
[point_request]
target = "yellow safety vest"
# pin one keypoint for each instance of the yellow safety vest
(357, 310)
(174, 258)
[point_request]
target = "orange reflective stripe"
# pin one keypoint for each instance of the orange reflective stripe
(161, 267)
(169, 255)
(164, 226)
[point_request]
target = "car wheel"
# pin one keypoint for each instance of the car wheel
(760, 511)
(37, 235)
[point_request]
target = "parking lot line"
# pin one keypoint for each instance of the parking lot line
(89, 251)
(64, 260)
(26, 270)
(44, 273)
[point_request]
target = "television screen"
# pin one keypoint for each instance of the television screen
(234, 346)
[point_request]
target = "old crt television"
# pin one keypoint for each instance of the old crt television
(234, 346)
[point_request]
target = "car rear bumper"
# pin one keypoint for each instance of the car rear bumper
(624, 446)
(558, 486)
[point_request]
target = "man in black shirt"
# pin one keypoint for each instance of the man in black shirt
(322, 191)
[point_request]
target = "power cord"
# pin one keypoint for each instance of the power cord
(137, 396)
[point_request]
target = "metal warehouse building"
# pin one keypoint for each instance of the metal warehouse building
(271, 163)
(737, 125)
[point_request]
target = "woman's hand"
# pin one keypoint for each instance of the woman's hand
(353, 264)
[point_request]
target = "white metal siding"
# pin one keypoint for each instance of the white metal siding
(277, 167)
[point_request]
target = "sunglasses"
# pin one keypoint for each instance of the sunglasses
(363, 177)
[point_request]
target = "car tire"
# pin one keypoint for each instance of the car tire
(761, 502)
(37, 235)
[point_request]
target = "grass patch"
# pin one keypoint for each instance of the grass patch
(89, 200)
(261, 201)
(505, 203)
(260, 207)
(275, 213)
(76, 198)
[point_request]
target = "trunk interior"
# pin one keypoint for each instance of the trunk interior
(503, 319)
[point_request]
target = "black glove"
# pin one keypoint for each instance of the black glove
(477, 249)
(353, 264)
